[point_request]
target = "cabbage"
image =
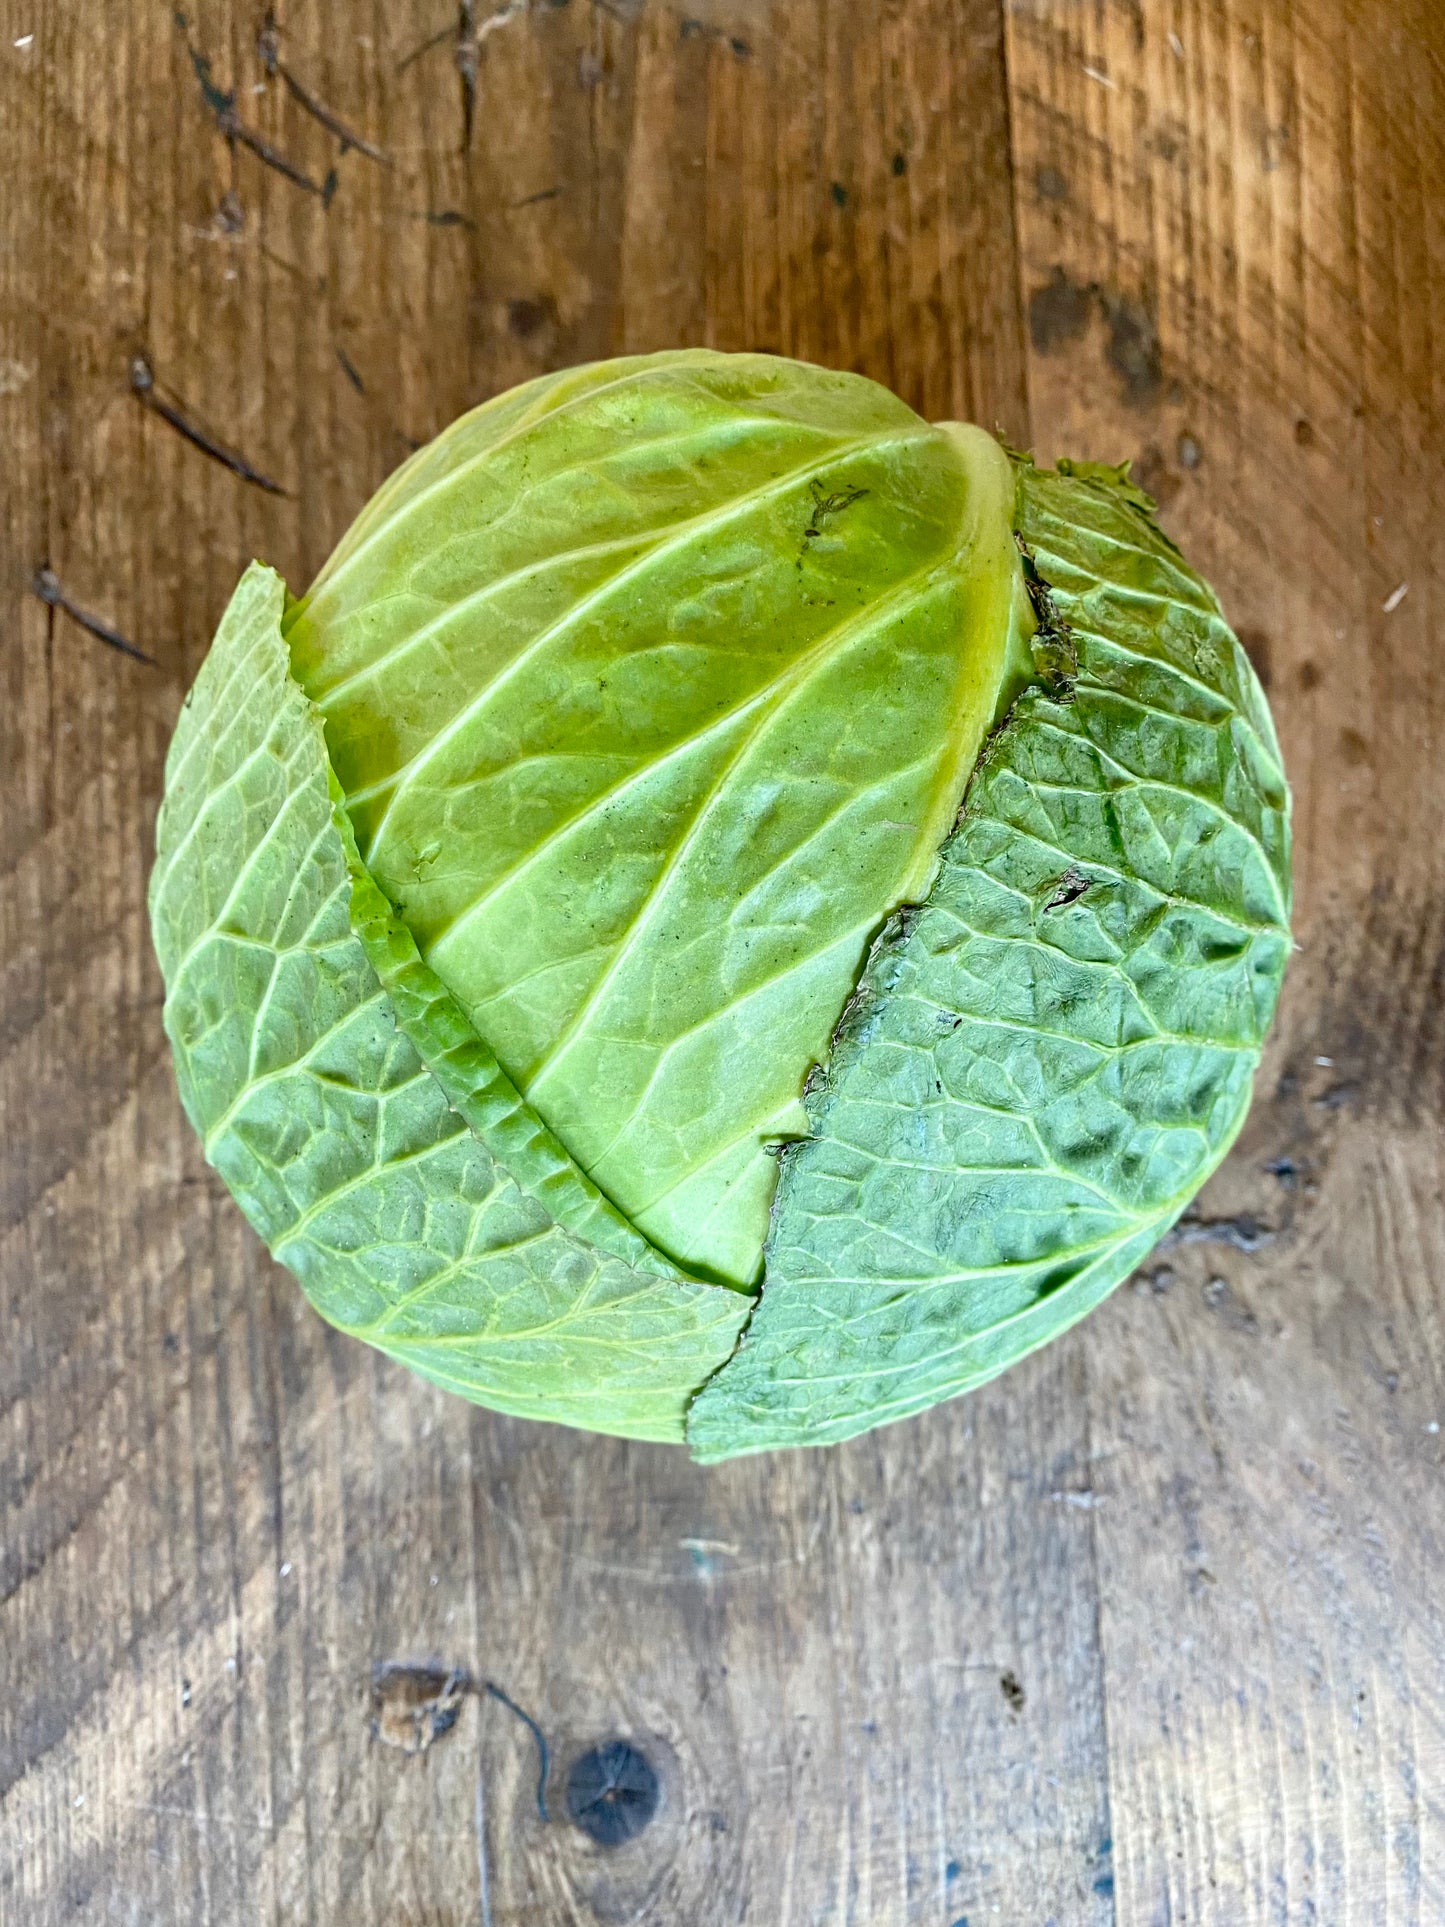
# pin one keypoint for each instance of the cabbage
(727, 912)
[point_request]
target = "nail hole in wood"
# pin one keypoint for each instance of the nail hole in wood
(612, 1792)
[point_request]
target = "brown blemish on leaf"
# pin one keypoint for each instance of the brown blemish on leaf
(1056, 660)
(826, 505)
(1068, 889)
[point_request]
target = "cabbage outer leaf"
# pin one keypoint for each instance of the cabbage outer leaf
(339, 1144)
(1044, 1062)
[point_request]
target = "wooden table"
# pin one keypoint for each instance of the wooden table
(1149, 1632)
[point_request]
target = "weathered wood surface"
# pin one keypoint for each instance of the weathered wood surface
(1148, 1633)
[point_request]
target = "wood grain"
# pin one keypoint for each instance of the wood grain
(1147, 1633)
(1225, 238)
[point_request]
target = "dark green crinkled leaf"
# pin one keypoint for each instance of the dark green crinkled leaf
(1045, 1061)
(339, 1144)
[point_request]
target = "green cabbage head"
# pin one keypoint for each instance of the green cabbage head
(727, 912)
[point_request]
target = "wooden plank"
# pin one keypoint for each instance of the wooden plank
(217, 1518)
(1231, 244)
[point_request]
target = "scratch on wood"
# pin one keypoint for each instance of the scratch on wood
(222, 107)
(481, 1826)
(234, 129)
(691, 29)
(500, 18)
(544, 1755)
(350, 370)
(426, 46)
(230, 216)
(442, 217)
(143, 386)
(268, 47)
(467, 57)
(46, 585)
(293, 268)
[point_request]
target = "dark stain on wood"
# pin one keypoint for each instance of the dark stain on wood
(1133, 350)
(1059, 312)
